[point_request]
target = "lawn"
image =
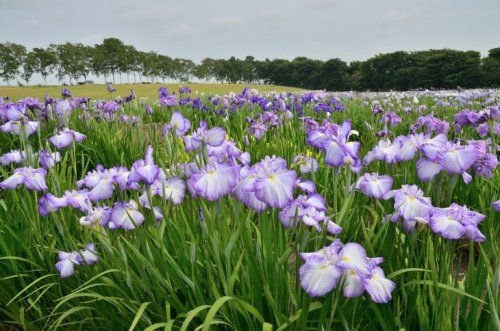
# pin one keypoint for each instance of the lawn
(98, 91)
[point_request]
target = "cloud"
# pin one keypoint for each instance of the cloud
(226, 22)
(153, 15)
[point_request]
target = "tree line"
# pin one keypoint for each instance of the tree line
(443, 68)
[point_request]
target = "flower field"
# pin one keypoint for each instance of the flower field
(244, 211)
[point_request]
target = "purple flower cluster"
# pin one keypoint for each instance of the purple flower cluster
(333, 139)
(413, 208)
(68, 260)
(348, 265)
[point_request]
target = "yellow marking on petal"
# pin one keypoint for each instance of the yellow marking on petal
(345, 258)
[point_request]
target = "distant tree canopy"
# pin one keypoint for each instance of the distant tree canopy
(443, 68)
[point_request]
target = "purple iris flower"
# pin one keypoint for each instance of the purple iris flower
(168, 100)
(390, 118)
(78, 199)
(257, 129)
(68, 260)
(184, 89)
(16, 127)
(214, 180)
(66, 93)
(456, 159)
(427, 169)
(149, 109)
(66, 263)
(173, 189)
(62, 107)
(125, 215)
(456, 222)
(145, 170)
(162, 92)
(89, 254)
(374, 186)
(275, 182)
(486, 162)
(376, 109)
(432, 124)
(410, 205)
(179, 123)
(32, 179)
(11, 157)
(103, 189)
(323, 269)
(307, 186)
(49, 203)
(333, 139)
(96, 216)
(66, 137)
(110, 88)
(49, 160)
(483, 130)
(320, 274)
(245, 189)
(213, 137)
(432, 147)
(496, 205)
(409, 145)
(384, 151)
(12, 112)
(311, 211)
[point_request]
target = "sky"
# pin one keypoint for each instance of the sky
(321, 29)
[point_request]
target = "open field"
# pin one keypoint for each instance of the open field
(98, 91)
(304, 211)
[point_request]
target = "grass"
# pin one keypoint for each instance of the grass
(98, 91)
(237, 269)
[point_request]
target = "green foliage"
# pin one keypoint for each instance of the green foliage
(237, 270)
(11, 58)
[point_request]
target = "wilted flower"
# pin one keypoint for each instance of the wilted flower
(306, 164)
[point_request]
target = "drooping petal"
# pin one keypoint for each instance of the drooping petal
(379, 287)
(353, 286)
(318, 276)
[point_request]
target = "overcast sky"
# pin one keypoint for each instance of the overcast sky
(347, 29)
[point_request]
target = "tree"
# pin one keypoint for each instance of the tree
(74, 61)
(183, 69)
(45, 61)
(113, 55)
(11, 59)
(334, 75)
(29, 67)
(491, 68)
